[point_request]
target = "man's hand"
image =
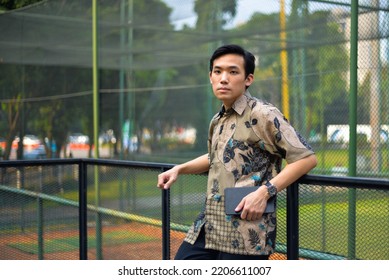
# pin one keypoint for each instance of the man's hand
(253, 205)
(194, 166)
(167, 178)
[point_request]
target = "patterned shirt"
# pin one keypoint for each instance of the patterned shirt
(246, 146)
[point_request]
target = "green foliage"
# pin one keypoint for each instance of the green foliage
(214, 14)
(330, 61)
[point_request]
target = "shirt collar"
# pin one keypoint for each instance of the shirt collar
(241, 103)
(238, 106)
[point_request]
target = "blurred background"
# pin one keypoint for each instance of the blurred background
(152, 100)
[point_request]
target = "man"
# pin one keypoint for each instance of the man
(247, 141)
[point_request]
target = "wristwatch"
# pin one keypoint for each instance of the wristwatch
(271, 189)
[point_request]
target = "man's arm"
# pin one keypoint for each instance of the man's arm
(292, 171)
(254, 204)
(195, 166)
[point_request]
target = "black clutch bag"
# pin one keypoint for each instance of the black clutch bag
(233, 196)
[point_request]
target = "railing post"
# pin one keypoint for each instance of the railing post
(166, 224)
(292, 222)
(82, 173)
(40, 229)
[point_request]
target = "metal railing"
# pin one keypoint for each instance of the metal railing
(291, 247)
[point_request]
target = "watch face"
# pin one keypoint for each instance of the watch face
(271, 189)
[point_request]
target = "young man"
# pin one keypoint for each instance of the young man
(247, 141)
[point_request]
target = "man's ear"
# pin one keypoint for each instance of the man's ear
(249, 80)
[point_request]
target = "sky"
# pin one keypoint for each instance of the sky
(183, 10)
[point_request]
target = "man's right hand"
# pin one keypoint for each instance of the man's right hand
(167, 178)
(194, 166)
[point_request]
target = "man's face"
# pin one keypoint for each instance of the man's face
(228, 78)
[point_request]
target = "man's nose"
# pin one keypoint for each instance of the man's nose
(224, 77)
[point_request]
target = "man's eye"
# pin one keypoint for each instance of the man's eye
(234, 72)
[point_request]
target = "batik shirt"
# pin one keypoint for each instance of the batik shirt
(246, 145)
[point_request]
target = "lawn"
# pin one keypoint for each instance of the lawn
(325, 227)
(329, 158)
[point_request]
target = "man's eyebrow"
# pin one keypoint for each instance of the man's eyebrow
(228, 67)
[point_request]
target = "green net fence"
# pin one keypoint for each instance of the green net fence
(154, 98)
(155, 103)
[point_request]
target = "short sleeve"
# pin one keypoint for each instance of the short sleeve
(277, 135)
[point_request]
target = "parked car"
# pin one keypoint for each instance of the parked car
(33, 148)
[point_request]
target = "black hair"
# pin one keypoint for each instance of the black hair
(249, 59)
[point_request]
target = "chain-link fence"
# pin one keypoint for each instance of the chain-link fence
(153, 103)
(39, 212)
(153, 98)
(40, 218)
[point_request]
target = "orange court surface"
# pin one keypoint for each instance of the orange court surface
(132, 241)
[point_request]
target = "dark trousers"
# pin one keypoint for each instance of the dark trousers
(197, 251)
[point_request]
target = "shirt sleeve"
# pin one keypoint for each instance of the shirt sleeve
(277, 135)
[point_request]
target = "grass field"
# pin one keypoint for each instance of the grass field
(325, 227)
(329, 158)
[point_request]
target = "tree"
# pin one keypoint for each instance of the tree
(10, 80)
(266, 49)
(143, 108)
(213, 15)
(330, 61)
(12, 111)
(13, 107)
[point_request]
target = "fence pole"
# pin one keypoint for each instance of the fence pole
(165, 224)
(292, 220)
(82, 208)
(99, 238)
(353, 126)
(284, 62)
(40, 229)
